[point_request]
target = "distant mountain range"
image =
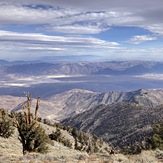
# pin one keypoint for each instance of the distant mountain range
(4, 62)
(42, 79)
(73, 102)
(82, 68)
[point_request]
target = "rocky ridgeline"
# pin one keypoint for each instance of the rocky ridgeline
(77, 101)
(73, 102)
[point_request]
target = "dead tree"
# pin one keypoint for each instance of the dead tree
(36, 110)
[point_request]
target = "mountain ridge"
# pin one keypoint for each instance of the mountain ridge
(82, 68)
(70, 103)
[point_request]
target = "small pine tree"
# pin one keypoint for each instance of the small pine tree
(74, 132)
(56, 135)
(157, 138)
(6, 126)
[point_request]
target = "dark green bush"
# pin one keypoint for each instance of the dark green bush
(6, 126)
(57, 136)
(135, 149)
(157, 138)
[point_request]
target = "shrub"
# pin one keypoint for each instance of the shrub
(157, 138)
(67, 143)
(6, 126)
(135, 149)
(47, 122)
(57, 136)
(39, 119)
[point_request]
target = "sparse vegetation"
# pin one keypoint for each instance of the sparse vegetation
(34, 139)
(152, 142)
(82, 141)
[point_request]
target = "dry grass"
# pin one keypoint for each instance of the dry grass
(11, 151)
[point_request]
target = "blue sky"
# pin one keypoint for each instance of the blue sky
(103, 30)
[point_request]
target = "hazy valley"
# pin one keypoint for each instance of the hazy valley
(46, 79)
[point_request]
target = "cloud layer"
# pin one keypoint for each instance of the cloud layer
(75, 27)
(76, 20)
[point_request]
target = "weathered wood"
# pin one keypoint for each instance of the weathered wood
(37, 106)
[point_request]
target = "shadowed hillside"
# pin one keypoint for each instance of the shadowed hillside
(121, 124)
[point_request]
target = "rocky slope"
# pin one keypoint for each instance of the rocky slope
(73, 102)
(68, 145)
(58, 153)
(121, 118)
(122, 124)
(13, 103)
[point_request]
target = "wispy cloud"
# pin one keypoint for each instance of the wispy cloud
(56, 40)
(156, 28)
(76, 29)
(142, 38)
(16, 42)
